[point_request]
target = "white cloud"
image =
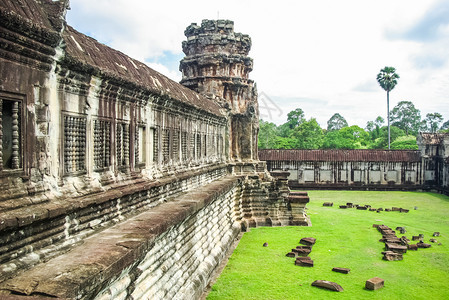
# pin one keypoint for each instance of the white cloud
(302, 50)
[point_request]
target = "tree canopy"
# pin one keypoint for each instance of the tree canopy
(300, 133)
(407, 117)
(336, 122)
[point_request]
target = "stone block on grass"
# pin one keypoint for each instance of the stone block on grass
(304, 262)
(302, 251)
(424, 245)
(392, 256)
(374, 283)
(309, 241)
(396, 247)
(341, 270)
(328, 285)
(291, 254)
(412, 247)
(328, 204)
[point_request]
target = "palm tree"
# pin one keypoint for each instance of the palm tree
(387, 79)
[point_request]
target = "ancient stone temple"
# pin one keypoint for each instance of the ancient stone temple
(117, 182)
(217, 65)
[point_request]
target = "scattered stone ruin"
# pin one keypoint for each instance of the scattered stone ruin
(424, 169)
(116, 181)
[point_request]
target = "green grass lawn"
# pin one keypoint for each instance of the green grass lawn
(345, 238)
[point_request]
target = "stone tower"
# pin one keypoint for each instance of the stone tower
(216, 65)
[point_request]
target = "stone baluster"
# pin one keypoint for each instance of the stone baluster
(77, 145)
(15, 136)
(68, 143)
(155, 145)
(107, 144)
(97, 143)
(126, 144)
(1, 134)
(119, 144)
(136, 145)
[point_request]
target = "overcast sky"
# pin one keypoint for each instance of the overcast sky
(321, 56)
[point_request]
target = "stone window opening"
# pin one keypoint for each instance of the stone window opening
(198, 146)
(102, 144)
(205, 142)
(74, 144)
(184, 146)
(155, 145)
(175, 145)
(166, 145)
(122, 144)
(11, 146)
(192, 146)
(140, 145)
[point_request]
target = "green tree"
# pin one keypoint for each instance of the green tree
(445, 126)
(336, 122)
(309, 135)
(352, 137)
(387, 79)
(406, 142)
(405, 116)
(267, 135)
(382, 141)
(295, 118)
(373, 127)
(284, 143)
(433, 121)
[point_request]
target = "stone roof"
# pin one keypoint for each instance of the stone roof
(340, 155)
(39, 20)
(432, 138)
(44, 19)
(84, 50)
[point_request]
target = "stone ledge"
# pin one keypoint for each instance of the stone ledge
(87, 268)
(15, 219)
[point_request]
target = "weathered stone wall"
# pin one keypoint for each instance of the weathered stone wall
(37, 233)
(355, 174)
(182, 259)
(366, 169)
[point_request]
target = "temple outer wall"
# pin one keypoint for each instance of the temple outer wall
(426, 169)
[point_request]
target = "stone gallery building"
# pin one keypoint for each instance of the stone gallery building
(117, 182)
(424, 169)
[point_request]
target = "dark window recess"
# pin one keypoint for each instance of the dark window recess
(10, 134)
(140, 145)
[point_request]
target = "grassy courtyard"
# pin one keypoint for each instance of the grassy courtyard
(345, 238)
